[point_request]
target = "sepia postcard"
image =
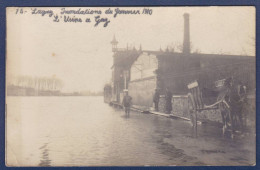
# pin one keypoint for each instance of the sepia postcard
(130, 86)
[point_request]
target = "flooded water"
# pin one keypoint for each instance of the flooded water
(84, 131)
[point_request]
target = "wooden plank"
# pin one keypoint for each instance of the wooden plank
(160, 114)
(184, 118)
(193, 84)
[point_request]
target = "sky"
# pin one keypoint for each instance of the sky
(81, 54)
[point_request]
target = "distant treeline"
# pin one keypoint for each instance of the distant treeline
(40, 86)
(37, 83)
(33, 86)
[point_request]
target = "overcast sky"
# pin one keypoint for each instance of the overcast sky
(80, 54)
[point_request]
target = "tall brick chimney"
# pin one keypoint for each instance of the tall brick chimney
(186, 39)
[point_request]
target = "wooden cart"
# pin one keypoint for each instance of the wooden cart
(196, 102)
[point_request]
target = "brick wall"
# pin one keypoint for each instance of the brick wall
(162, 103)
(180, 108)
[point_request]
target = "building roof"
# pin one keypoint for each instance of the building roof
(200, 55)
(125, 58)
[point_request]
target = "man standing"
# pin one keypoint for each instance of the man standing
(127, 102)
(156, 98)
(237, 101)
(168, 98)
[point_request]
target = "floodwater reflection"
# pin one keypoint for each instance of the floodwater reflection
(84, 131)
(45, 161)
